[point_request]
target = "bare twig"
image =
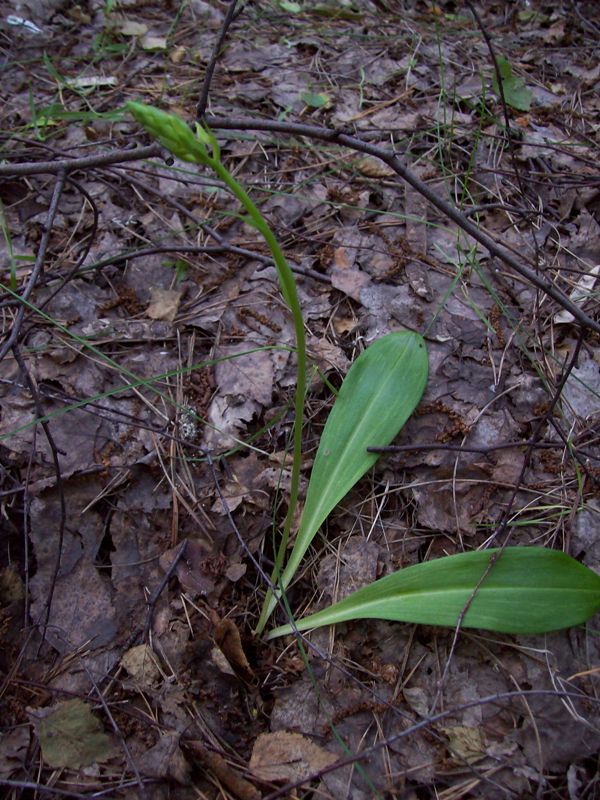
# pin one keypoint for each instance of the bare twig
(59, 483)
(151, 602)
(501, 530)
(13, 336)
(460, 448)
(216, 52)
(224, 246)
(60, 792)
(427, 722)
(586, 23)
(503, 103)
(64, 165)
(91, 235)
(392, 160)
(118, 733)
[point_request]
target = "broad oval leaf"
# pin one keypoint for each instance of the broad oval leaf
(377, 396)
(528, 590)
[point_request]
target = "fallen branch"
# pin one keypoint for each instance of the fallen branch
(64, 165)
(392, 160)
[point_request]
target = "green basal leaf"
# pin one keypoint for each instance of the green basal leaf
(516, 94)
(378, 395)
(293, 8)
(316, 99)
(528, 590)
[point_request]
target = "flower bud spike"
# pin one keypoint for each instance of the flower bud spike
(170, 131)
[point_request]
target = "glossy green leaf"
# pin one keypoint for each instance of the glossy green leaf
(528, 590)
(379, 393)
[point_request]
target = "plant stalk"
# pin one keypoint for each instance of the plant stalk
(290, 294)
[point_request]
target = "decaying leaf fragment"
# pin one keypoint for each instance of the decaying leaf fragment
(165, 760)
(72, 736)
(140, 663)
(286, 756)
(164, 304)
(582, 291)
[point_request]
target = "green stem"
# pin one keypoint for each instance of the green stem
(176, 136)
(290, 294)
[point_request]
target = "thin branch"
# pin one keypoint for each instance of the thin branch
(62, 792)
(216, 52)
(208, 250)
(118, 733)
(484, 450)
(501, 530)
(85, 162)
(214, 234)
(428, 721)
(59, 483)
(151, 602)
(392, 160)
(13, 336)
(503, 103)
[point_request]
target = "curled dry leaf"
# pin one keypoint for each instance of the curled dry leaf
(373, 167)
(228, 639)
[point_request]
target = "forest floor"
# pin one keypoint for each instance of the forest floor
(148, 372)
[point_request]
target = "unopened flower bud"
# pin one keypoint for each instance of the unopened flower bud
(170, 131)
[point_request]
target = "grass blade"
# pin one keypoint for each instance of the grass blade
(379, 393)
(528, 590)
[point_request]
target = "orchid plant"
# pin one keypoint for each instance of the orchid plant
(513, 590)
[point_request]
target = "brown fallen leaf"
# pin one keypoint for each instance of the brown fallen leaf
(345, 276)
(227, 637)
(373, 167)
(222, 770)
(286, 756)
(192, 571)
(13, 750)
(164, 303)
(165, 760)
(140, 663)
(467, 743)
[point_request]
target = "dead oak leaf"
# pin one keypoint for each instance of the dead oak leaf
(140, 663)
(345, 276)
(466, 743)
